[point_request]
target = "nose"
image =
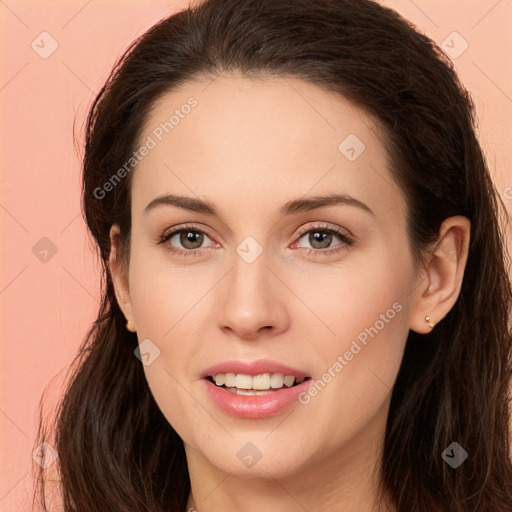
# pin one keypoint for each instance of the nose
(252, 302)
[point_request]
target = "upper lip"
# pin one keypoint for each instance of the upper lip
(253, 368)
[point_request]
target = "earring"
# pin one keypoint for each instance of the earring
(429, 323)
(130, 326)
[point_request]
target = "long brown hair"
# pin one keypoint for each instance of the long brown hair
(116, 450)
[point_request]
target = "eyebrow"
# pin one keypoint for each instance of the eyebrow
(295, 206)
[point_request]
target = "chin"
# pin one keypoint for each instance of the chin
(255, 457)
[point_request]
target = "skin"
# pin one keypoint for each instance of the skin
(250, 146)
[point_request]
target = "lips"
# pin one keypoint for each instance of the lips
(257, 402)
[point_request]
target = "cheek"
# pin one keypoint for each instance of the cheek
(163, 294)
(364, 313)
(168, 303)
(364, 299)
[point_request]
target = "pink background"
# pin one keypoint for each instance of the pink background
(46, 307)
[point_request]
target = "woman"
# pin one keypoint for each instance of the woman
(305, 302)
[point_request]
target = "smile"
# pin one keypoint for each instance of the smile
(252, 385)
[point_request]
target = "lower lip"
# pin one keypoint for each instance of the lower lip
(257, 406)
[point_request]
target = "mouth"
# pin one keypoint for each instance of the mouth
(254, 385)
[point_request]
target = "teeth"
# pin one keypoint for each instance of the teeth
(289, 380)
(243, 381)
(264, 381)
(229, 380)
(246, 392)
(276, 381)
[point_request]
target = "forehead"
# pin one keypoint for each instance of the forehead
(243, 139)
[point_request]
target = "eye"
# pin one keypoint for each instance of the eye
(188, 241)
(321, 238)
(191, 240)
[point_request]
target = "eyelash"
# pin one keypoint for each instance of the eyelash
(344, 237)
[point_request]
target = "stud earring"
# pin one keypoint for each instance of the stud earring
(130, 326)
(429, 323)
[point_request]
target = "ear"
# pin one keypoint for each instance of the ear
(441, 280)
(119, 273)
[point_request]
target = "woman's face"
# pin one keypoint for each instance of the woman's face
(261, 276)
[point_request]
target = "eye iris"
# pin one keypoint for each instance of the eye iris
(191, 237)
(323, 237)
